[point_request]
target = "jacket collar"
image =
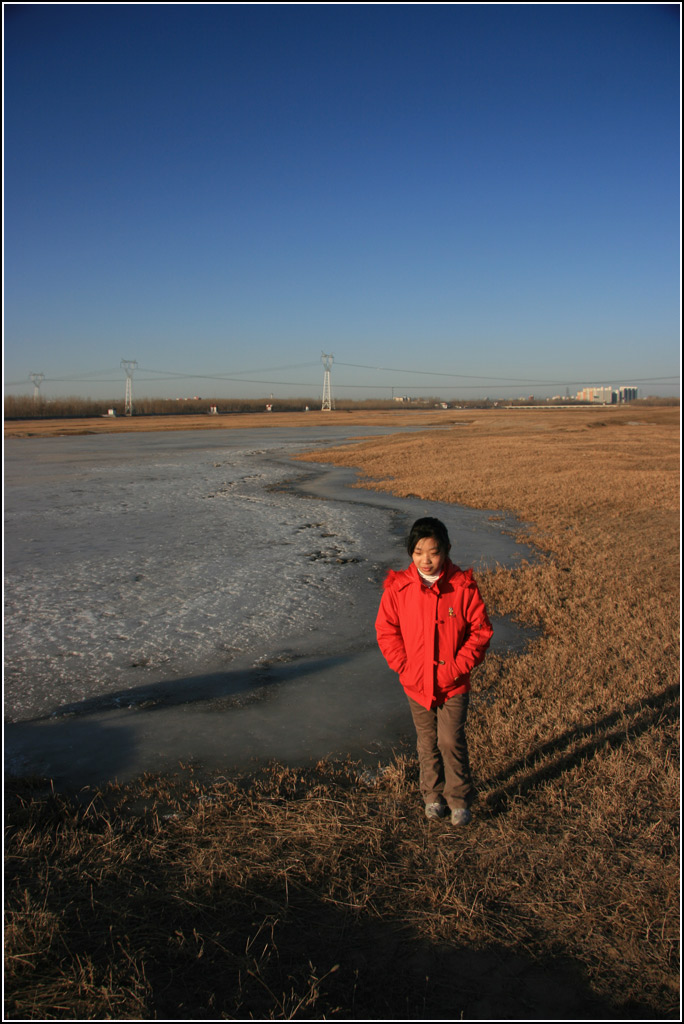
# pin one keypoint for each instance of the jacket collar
(452, 575)
(411, 575)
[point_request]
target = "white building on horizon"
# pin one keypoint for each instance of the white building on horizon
(607, 395)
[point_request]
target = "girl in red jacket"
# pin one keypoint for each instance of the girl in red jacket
(432, 629)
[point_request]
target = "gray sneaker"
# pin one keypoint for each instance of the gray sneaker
(436, 810)
(461, 816)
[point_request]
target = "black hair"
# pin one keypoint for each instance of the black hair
(428, 527)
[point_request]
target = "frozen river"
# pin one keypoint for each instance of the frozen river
(199, 596)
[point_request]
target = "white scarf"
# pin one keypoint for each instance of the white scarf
(430, 579)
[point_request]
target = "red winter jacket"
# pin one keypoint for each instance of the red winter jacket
(433, 636)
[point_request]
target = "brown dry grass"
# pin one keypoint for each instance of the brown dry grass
(305, 894)
(229, 421)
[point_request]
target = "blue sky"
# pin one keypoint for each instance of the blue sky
(472, 198)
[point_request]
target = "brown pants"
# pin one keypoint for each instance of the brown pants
(443, 752)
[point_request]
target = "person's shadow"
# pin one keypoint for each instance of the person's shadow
(552, 758)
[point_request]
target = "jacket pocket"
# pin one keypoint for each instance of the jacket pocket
(448, 675)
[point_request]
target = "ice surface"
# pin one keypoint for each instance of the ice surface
(201, 595)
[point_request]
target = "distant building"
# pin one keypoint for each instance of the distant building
(607, 395)
(597, 396)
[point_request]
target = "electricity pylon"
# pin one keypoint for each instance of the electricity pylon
(37, 379)
(129, 366)
(327, 361)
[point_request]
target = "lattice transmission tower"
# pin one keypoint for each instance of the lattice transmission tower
(37, 379)
(327, 360)
(129, 366)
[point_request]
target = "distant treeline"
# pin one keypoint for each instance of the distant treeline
(25, 407)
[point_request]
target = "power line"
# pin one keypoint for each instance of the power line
(237, 374)
(513, 380)
(437, 378)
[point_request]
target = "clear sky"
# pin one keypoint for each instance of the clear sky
(453, 199)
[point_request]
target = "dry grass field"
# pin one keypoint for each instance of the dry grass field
(312, 894)
(228, 421)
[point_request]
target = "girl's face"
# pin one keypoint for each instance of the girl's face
(428, 557)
